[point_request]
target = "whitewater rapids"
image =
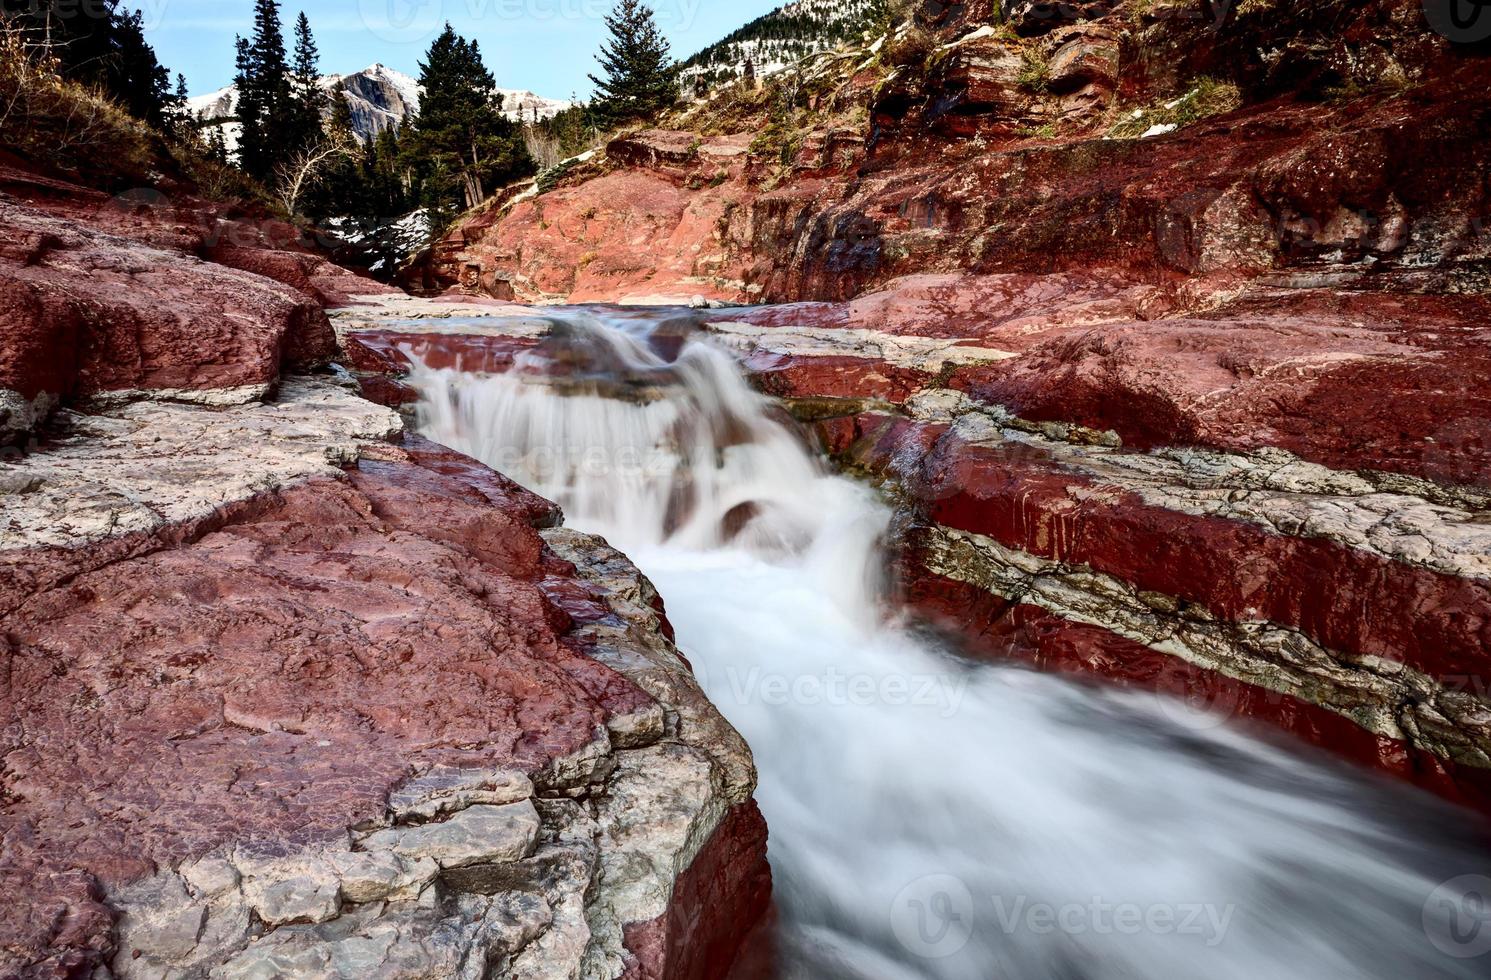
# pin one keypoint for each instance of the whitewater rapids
(932, 818)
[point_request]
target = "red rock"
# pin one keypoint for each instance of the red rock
(147, 319)
(385, 351)
(276, 676)
(1351, 381)
(785, 376)
(387, 391)
(1085, 56)
(699, 938)
(655, 149)
(101, 295)
(994, 628)
(312, 274)
(1346, 599)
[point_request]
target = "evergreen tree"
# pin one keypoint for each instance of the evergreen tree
(97, 43)
(250, 109)
(266, 109)
(461, 143)
(217, 146)
(641, 77)
(308, 100)
(180, 117)
(341, 190)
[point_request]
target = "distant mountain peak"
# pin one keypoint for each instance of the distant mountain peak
(380, 97)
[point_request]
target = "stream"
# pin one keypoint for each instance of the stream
(931, 817)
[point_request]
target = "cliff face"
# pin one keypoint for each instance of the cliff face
(1167, 319)
(1320, 145)
(286, 691)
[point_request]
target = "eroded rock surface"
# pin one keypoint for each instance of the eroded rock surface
(285, 697)
(137, 294)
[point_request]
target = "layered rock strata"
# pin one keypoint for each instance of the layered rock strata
(1167, 321)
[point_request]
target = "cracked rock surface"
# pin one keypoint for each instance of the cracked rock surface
(283, 697)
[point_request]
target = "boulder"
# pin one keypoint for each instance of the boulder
(1083, 57)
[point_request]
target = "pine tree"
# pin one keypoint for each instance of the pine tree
(99, 44)
(266, 109)
(250, 109)
(462, 144)
(177, 113)
(308, 100)
(641, 77)
(340, 191)
(217, 146)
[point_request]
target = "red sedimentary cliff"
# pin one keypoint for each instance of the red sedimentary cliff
(1168, 319)
(288, 692)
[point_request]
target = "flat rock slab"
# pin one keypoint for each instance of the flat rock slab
(273, 676)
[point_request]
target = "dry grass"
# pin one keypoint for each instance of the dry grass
(76, 131)
(67, 126)
(1035, 70)
(910, 47)
(1208, 97)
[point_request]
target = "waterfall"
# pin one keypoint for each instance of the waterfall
(931, 817)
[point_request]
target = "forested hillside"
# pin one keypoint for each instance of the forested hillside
(782, 37)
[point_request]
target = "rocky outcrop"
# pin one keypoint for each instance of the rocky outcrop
(286, 691)
(1065, 545)
(1000, 156)
(335, 706)
(116, 297)
(1166, 320)
(644, 232)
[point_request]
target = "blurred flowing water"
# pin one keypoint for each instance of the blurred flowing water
(931, 817)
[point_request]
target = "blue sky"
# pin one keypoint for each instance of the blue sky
(543, 45)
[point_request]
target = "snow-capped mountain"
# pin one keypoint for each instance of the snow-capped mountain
(781, 38)
(379, 96)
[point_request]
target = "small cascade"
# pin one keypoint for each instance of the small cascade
(929, 817)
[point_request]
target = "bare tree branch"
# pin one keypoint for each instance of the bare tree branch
(304, 169)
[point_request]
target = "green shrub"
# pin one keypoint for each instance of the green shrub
(1035, 72)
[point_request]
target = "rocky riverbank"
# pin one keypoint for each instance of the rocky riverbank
(289, 691)
(1167, 322)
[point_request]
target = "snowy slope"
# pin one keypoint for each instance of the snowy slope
(781, 38)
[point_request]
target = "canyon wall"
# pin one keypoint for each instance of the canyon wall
(1166, 322)
(289, 691)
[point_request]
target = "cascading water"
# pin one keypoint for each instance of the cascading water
(932, 818)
